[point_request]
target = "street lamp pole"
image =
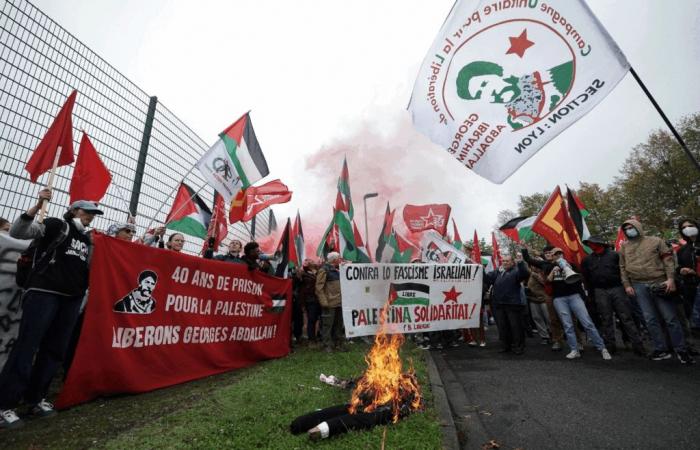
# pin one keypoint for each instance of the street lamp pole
(364, 200)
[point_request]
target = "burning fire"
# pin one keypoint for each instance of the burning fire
(384, 383)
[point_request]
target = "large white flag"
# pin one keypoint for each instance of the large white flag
(503, 78)
(434, 249)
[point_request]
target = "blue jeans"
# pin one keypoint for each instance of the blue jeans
(45, 331)
(572, 305)
(653, 305)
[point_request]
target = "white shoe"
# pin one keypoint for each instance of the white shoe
(573, 354)
(9, 419)
(606, 354)
(43, 409)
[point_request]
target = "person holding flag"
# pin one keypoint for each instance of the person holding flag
(56, 267)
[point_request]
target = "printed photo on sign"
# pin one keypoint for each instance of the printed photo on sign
(140, 300)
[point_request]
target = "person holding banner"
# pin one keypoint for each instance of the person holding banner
(507, 303)
(328, 293)
(55, 287)
(175, 242)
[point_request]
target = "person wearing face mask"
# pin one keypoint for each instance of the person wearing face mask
(647, 270)
(689, 269)
(54, 291)
(601, 273)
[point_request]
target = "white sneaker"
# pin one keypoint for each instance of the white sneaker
(9, 419)
(573, 354)
(606, 354)
(43, 409)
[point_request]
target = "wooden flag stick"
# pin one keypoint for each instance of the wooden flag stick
(668, 122)
(49, 185)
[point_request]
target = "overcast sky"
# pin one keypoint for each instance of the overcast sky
(327, 78)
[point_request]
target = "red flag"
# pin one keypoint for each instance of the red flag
(218, 227)
(476, 250)
(254, 199)
(496, 259)
(555, 224)
(91, 178)
(426, 217)
(620, 239)
(59, 135)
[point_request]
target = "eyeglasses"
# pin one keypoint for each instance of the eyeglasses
(126, 230)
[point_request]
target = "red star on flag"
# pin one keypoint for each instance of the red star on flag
(433, 219)
(519, 44)
(451, 295)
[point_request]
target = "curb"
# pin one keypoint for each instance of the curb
(464, 415)
(447, 425)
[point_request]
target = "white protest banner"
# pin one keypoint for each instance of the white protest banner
(434, 249)
(503, 78)
(423, 297)
(10, 293)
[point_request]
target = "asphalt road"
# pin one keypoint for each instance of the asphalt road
(540, 400)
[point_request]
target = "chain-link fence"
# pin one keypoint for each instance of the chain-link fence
(40, 64)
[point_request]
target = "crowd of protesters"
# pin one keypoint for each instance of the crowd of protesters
(647, 291)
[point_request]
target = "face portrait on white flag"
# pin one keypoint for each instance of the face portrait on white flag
(503, 79)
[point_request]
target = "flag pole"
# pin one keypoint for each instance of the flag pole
(49, 185)
(663, 116)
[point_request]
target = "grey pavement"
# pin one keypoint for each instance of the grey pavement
(540, 400)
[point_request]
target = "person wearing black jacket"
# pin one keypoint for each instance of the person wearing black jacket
(508, 304)
(601, 272)
(568, 303)
(50, 306)
(689, 270)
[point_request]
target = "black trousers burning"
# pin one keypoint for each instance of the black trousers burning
(340, 421)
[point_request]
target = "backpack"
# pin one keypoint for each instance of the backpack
(27, 263)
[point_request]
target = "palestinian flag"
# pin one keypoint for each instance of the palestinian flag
(285, 255)
(298, 234)
(362, 253)
(235, 161)
(279, 301)
(344, 188)
(346, 237)
(329, 239)
(457, 242)
(409, 294)
(519, 229)
(403, 249)
(578, 213)
(387, 229)
(189, 214)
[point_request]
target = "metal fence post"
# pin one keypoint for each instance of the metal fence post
(143, 152)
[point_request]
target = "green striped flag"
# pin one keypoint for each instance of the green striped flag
(346, 236)
(189, 214)
(235, 161)
(344, 188)
(409, 294)
(519, 229)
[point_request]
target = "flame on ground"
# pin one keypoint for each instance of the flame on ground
(384, 383)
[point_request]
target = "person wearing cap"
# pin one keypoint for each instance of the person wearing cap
(689, 270)
(328, 293)
(569, 303)
(648, 273)
(51, 304)
(601, 274)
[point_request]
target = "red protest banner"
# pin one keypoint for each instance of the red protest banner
(155, 318)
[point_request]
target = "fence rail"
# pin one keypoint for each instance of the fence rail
(40, 64)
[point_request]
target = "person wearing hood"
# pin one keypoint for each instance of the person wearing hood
(689, 269)
(601, 272)
(54, 291)
(647, 270)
